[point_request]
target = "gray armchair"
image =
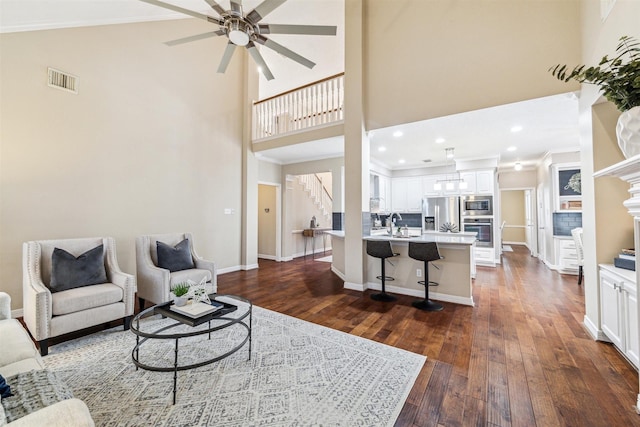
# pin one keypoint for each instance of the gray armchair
(50, 312)
(155, 283)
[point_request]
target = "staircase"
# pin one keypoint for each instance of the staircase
(313, 186)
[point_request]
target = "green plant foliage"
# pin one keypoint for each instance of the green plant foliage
(180, 289)
(619, 80)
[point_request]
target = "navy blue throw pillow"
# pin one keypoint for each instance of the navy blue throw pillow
(175, 258)
(5, 389)
(69, 272)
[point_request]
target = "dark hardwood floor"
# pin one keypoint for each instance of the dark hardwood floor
(520, 357)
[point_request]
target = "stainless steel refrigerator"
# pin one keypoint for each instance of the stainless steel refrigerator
(438, 211)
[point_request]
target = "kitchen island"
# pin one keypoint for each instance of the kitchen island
(454, 275)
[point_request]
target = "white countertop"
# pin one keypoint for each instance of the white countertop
(467, 238)
(432, 236)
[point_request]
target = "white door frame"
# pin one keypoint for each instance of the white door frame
(278, 216)
(533, 228)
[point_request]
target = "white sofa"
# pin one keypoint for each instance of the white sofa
(19, 354)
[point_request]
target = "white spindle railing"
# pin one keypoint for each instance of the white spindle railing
(313, 184)
(316, 104)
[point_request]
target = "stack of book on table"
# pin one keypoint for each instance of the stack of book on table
(626, 259)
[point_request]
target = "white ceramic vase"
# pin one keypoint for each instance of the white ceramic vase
(180, 301)
(628, 132)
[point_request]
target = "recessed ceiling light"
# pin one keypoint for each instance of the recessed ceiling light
(381, 149)
(440, 140)
(518, 166)
(516, 128)
(260, 69)
(512, 148)
(401, 161)
(397, 133)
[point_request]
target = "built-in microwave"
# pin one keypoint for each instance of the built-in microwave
(476, 205)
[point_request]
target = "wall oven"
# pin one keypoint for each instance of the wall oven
(476, 205)
(482, 226)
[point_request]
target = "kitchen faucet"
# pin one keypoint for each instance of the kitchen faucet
(391, 220)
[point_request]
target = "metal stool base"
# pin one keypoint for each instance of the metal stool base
(427, 305)
(384, 297)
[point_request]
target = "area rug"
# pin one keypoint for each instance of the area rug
(300, 374)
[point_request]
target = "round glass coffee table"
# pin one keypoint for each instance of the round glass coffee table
(230, 325)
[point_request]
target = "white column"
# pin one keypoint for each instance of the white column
(356, 147)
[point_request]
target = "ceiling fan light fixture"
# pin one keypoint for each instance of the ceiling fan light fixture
(237, 32)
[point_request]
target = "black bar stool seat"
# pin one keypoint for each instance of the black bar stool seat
(381, 249)
(427, 252)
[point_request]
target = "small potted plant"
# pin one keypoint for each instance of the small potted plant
(619, 80)
(180, 290)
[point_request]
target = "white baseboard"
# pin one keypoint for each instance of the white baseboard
(354, 286)
(17, 313)
(593, 330)
(237, 268)
(317, 251)
(338, 273)
(420, 294)
(269, 257)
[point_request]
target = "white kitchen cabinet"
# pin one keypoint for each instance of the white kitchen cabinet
(484, 182)
(470, 179)
(414, 194)
(618, 304)
(406, 194)
(428, 185)
(384, 193)
(566, 255)
(484, 256)
(399, 194)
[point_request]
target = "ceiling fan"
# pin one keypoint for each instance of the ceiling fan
(245, 30)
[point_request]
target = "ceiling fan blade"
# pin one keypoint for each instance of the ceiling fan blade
(236, 6)
(314, 30)
(284, 51)
(226, 57)
(262, 10)
(183, 10)
(194, 38)
(255, 54)
(215, 6)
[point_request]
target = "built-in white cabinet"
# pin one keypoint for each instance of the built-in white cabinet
(406, 194)
(470, 179)
(385, 193)
(566, 255)
(619, 307)
(484, 182)
(484, 256)
(428, 185)
(478, 182)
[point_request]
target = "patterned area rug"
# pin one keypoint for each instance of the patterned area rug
(300, 374)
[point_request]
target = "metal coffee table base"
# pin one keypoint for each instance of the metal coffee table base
(142, 337)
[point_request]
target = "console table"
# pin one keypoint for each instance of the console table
(311, 233)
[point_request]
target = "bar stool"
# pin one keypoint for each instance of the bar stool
(427, 251)
(381, 249)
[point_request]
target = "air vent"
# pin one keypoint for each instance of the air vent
(427, 160)
(61, 80)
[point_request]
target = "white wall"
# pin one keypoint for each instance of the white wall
(137, 151)
(463, 55)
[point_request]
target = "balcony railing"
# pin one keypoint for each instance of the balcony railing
(316, 104)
